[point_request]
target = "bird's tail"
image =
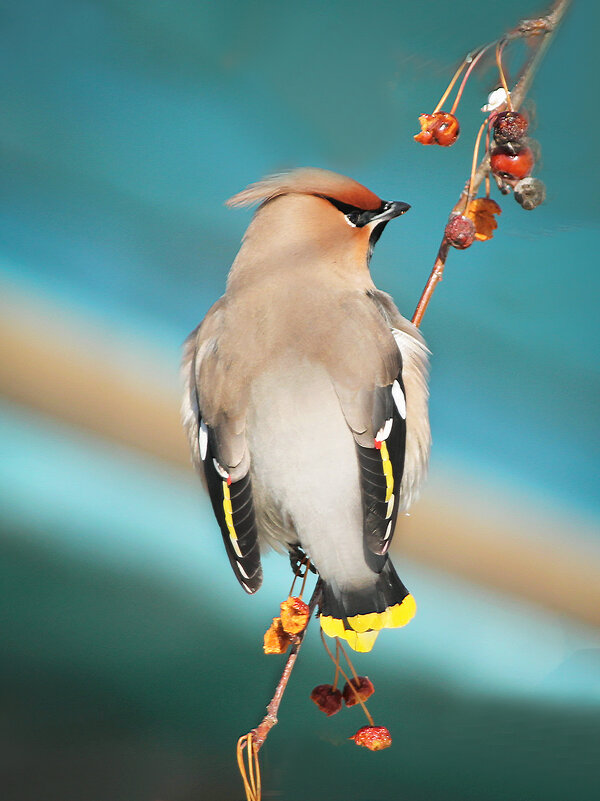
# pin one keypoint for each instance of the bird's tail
(358, 615)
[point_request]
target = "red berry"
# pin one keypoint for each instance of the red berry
(440, 128)
(460, 231)
(446, 129)
(375, 738)
(510, 126)
(363, 686)
(512, 165)
(327, 699)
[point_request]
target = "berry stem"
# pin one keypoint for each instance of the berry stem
(487, 150)
(337, 664)
(466, 77)
(251, 774)
(354, 690)
(452, 82)
(499, 49)
(306, 569)
(470, 192)
(350, 665)
(306, 562)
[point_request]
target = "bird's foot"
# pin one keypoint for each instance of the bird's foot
(299, 560)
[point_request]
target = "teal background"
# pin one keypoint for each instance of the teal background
(130, 661)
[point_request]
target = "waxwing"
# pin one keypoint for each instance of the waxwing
(306, 399)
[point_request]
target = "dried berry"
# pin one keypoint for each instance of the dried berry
(515, 165)
(460, 231)
(375, 738)
(276, 640)
(530, 192)
(327, 699)
(481, 211)
(363, 686)
(510, 126)
(294, 615)
(440, 128)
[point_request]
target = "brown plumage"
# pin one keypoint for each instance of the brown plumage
(306, 398)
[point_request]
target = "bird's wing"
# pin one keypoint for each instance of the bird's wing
(386, 408)
(215, 428)
(382, 465)
(415, 374)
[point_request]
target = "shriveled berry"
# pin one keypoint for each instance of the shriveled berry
(530, 192)
(276, 640)
(512, 165)
(294, 615)
(364, 689)
(327, 699)
(510, 126)
(460, 231)
(441, 128)
(375, 738)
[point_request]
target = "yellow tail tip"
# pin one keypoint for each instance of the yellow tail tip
(365, 628)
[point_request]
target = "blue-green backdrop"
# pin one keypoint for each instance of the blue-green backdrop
(130, 662)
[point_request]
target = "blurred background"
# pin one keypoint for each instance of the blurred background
(131, 660)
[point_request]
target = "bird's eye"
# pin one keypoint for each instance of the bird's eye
(352, 218)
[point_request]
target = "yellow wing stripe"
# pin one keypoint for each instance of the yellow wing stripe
(228, 510)
(387, 471)
(365, 628)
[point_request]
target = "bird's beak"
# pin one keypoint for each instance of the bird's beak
(390, 209)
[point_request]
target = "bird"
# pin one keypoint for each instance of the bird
(306, 399)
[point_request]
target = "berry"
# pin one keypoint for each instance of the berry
(460, 231)
(440, 128)
(512, 165)
(530, 192)
(375, 738)
(363, 686)
(276, 640)
(510, 126)
(327, 699)
(294, 615)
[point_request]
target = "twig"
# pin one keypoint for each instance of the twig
(545, 27)
(250, 744)
(260, 733)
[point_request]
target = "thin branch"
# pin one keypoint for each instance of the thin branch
(261, 732)
(544, 27)
(434, 278)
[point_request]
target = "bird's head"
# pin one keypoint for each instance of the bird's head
(312, 214)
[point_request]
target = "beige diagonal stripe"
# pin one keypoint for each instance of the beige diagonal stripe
(87, 375)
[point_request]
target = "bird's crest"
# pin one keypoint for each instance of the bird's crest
(308, 181)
